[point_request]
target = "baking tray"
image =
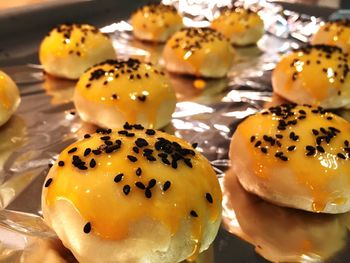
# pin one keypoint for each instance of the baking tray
(46, 123)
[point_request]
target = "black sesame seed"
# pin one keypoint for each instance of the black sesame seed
(138, 171)
(87, 151)
(135, 149)
(151, 183)
(61, 163)
(291, 148)
(73, 150)
(209, 197)
(252, 139)
(96, 152)
(342, 156)
(87, 228)
(48, 182)
(105, 138)
(92, 163)
(86, 136)
(315, 132)
(141, 142)
(140, 185)
(130, 134)
(193, 213)
(108, 143)
(132, 158)
(150, 132)
(118, 178)
(166, 186)
(279, 136)
(320, 149)
(126, 189)
(263, 149)
(257, 144)
(148, 193)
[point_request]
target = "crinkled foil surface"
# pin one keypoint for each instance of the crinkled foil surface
(46, 123)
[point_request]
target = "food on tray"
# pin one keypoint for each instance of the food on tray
(335, 33)
(155, 22)
(9, 97)
(316, 75)
(198, 51)
(132, 195)
(242, 26)
(69, 49)
(295, 156)
(281, 234)
(113, 92)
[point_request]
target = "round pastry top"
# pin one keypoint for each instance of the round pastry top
(116, 177)
(130, 85)
(155, 18)
(72, 40)
(8, 91)
(312, 143)
(319, 69)
(336, 33)
(236, 20)
(195, 44)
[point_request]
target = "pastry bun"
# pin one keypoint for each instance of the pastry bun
(295, 156)
(113, 92)
(334, 33)
(316, 75)
(198, 51)
(155, 22)
(9, 97)
(242, 26)
(68, 50)
(132, 195)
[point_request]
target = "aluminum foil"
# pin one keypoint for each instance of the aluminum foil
(208, 114)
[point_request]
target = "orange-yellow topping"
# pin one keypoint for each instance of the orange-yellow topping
(72, 40)
(313, 145)
(319, 70)
(196, 46)
(236, 22)
(115, 178)
(155, 19)
(130, 86)
(335, 33)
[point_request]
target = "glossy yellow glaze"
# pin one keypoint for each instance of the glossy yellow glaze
(128, 88)
(7, 86)
(315, 173)
(313, 72)
(72, 40)
(197, 47)
(101, 201)
(236, 22)
(333, 33)
(156, 20)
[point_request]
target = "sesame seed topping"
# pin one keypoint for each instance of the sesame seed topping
(193, 213)
(126, 189)
(73, 150)
(209, 197)
(87, 228)
(166, 186)
(132, 158)
(61, 163)
(118, 178)
(48, 182)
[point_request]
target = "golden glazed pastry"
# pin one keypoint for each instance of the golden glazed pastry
(295, 156)
(113, 92)
(155, 22)
(68, 50)
(9, 97)
(316, 75)
(334, 33)
(198, 51)
(242, 26)
(132, 195)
